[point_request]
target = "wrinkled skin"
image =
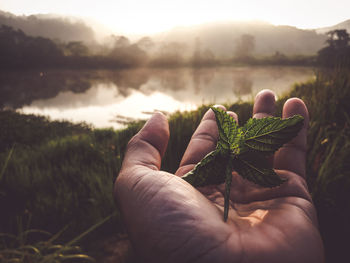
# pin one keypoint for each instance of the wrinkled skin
(168, 220)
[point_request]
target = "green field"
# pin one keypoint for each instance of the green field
(58, 177)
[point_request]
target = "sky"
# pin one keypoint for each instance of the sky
(153, 16)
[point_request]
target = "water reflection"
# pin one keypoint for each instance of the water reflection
(242, 84)
(99, 96)
(105, 110)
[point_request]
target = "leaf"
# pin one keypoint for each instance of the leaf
(245, 150)
(254, 167)
(269, 134)
(211, 170)
(228, 128)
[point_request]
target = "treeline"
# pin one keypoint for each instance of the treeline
(335, 54)
(50, 26)
(18, 50)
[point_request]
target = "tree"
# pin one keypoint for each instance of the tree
(121, 41)
(146, 44)
(19, 50)
(129, 55)
(76, 48)
(245, 46)
(169, 54)
(338, 38)
(337, 53)
(197, 56)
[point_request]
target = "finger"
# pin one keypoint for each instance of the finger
(264, 105)
(147, 147)
(233, 115)
(139, 176)
(203, 141)
(292, 156)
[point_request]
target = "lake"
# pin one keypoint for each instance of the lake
(108, 98)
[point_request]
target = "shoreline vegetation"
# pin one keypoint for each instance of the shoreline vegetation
(58, 177)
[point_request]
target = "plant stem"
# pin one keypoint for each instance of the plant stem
(228, 182)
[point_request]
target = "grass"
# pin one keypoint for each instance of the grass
(328, 166)
(16, 248)
(61, 174)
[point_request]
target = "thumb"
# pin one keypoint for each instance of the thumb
(143, 156)
(148, 146)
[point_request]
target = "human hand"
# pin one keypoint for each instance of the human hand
(168, 220)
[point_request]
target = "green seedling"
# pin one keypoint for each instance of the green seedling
(245, 150)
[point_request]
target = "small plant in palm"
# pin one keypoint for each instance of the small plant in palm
(244, 149)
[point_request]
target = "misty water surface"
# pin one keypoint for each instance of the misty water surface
(107, 98)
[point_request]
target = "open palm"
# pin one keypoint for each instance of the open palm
(168, 220)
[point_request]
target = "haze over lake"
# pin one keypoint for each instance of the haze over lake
(107, 98)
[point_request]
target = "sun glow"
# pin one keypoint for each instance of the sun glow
(151, 16)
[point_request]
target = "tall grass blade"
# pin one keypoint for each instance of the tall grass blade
(92, 228)
(6, 163)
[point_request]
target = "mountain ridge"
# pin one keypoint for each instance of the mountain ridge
(50, 26)
(342, 25)
(218, 38)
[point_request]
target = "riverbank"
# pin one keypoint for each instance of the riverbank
(57, 175)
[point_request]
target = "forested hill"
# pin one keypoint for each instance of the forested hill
(223, 38)
(343, 25)
(49, 26)
(69, 42)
